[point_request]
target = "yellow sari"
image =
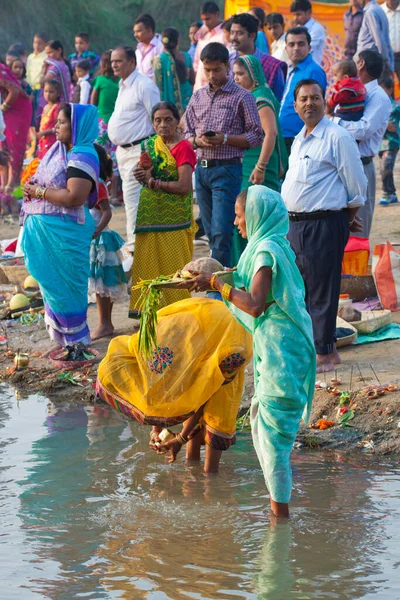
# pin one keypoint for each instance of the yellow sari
(200, 359)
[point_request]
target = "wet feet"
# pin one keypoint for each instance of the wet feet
(102, 331)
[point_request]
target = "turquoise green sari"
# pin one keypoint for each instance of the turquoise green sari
(167, 80)
(283, 346)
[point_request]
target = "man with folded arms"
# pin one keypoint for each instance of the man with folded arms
(323, 190)
(221, 122)
(129, 125)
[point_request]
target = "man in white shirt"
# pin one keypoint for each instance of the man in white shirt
(149, 44)
(301, 12)
(129, 125)
(370, 129)
(323, 190)
(276, 28)
(391, 8)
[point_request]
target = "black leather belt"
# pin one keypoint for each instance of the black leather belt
(313, 216)
(366, 160)
(208, 163)
(132, 144)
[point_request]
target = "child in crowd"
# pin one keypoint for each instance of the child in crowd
(83, 88)
(261, 40)
(46, 135)
(82, 52)
(34, 67)
(389, 147)
(19, 70)
(348, 99)
(107, 281)
(276, 28)
(193, 29)
(226, 28)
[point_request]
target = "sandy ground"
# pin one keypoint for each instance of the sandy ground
(377, 421)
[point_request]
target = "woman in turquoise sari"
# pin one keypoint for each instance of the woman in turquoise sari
(268, 300)
(58, 227)
(173, 71)
(266, 164)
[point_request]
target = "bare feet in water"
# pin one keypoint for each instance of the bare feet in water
(102, 331)
(52, 348)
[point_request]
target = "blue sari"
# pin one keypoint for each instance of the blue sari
(56, 240)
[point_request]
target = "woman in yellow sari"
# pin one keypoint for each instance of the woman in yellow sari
(164, 225)
(195, 376)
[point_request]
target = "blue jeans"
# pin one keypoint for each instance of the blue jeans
(387, 162)
(217, 189)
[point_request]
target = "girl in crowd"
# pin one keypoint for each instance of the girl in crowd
(46, 135)
(17, 113)
(58, 227)
(261, 39)
(19, 70)
(268, 300)
(107, 282)
(56, 67)
(173, 71)
(104, 96)
(164, 225)
(266, 164)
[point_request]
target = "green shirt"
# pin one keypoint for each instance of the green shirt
(391, 139)
(107, 89)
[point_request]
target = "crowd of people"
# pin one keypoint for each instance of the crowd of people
(282, 176)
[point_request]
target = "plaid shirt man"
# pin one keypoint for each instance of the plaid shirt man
(92, 57)
(275, 70)
(231, 110)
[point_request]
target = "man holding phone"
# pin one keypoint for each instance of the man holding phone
(221, 122)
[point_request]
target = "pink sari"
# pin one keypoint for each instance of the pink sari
(60, 72)
(17, 119)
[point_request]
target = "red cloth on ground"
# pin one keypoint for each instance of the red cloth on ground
(184, 154)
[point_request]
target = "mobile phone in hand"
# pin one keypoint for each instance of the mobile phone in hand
(209, 133)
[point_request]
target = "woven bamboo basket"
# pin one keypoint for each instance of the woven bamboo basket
(12, 273)
(372, 320)
(349, 339)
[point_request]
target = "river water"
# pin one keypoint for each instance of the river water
(88, 511)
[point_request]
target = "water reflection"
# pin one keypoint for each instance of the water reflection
(88, 511)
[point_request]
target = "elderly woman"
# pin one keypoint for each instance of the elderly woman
(164, 225)
(58, 227)
(268, 300)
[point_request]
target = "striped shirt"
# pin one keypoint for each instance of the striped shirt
(229, 109)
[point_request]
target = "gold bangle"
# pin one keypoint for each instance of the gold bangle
(226, 291)
(181, 440)
(40, 193)
(213, 278)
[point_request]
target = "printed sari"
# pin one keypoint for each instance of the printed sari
(164, 225)
(61, 73)
(283, 344)
(167, 80)
(200, 359)
(47, 121)
(56, 240)
(17, 120)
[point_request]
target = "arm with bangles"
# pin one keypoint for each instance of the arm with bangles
(181, 187)
(175, 444)
(253, 302)
(12, 94)
(74, 195)
(268, 123)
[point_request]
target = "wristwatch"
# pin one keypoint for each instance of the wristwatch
(225, 139)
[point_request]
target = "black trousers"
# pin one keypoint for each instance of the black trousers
(319, 247)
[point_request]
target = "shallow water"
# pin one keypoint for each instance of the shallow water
(87, 511)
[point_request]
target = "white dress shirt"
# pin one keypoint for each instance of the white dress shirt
(131, 119)
(394, 25)
(318, 36)
(278, 49)
(370, 129)
(325, 171)
(85, 89)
